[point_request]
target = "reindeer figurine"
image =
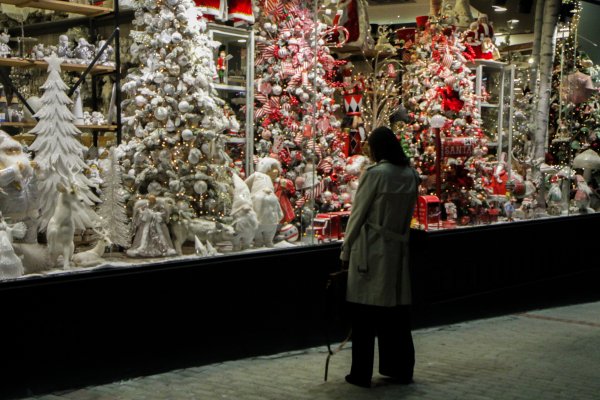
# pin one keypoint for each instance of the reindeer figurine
(93, 257)
(61, 227)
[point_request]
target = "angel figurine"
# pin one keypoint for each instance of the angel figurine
(4, 49)
(149, 227)
(84, 51)
(10, 265)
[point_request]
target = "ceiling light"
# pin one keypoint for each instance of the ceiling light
(513, 21)
(242, 40)
(499, 9)
(531, 61)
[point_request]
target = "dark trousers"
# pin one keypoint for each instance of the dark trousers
(396, 350)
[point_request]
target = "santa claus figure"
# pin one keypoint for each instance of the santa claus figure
(18, 194)
(472, 37)
(240, 11)
(484, 28)
(284, 188)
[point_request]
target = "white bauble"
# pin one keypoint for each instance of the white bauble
(200, 187)
(165, 37)
(140, 132)
(206, 123)
(304, 97)
(140, 101)
(170, 126)
(159, 77)
(299, 92)
(187, 135)
(172, 2)
(184, 106)
(183, 60)
(169, 89)
(174, 70)
(161, 113)
(176, 37)
(277, 90)
(267, 25)
(212, 204)
(131, 172)
(194, 156)
(154, 188)
(205, 148)
(139, 157)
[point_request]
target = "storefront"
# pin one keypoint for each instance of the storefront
(178, 173)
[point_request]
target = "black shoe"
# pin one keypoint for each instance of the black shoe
(358, 382)
(403, 379)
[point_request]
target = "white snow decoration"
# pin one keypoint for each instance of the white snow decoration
(114, 220)
(200, 187)
(187, 134)
(161, 113)
(59, 152)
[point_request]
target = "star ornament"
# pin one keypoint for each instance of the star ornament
(53, 62)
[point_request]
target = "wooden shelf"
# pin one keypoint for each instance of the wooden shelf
(100, 128)
(357, 51)
(23, 63)
(87, 141)
(64, 6)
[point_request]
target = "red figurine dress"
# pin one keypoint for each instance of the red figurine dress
(284, 192)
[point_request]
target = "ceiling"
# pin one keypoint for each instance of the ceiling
(404, 12)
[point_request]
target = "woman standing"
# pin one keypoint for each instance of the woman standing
(375, 251)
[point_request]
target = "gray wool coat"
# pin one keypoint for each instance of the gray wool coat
(376, 241)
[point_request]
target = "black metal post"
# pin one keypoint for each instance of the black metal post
(117, 71)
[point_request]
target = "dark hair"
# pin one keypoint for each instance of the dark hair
(384, 145)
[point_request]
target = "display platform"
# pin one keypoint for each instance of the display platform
(74, 330)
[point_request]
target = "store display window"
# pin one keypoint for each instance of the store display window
(197, 131)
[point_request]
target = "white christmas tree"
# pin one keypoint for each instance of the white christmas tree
(58, 152)
(173, 117)
(113, 214)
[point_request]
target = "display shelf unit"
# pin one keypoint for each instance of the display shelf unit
(236, 40)
(91, 14)
(64, 6)
(100, 128)
(39, 64)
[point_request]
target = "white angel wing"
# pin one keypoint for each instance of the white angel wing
(18, 230)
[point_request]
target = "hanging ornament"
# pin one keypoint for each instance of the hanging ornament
(187, 135)
(194, 156)
(161, 113)
(140, 101)
(154, 188)
(205, 148)
(170, 125)
(176, 38)
(184, 106)
(172, 2)
(174, 69)
(169, 89)
(139, 157)
(206, 122)
(159, 77)
(165, 37)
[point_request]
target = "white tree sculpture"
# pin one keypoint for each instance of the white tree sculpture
(58, 152)
(113, 215)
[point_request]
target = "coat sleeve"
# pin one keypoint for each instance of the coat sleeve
(367, 189)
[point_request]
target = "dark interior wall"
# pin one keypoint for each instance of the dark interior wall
(590, 29)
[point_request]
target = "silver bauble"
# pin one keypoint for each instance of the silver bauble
(176, 37)
(159, 77)
(194, 156)
(161, 113)
(184, 106)
(200, 187)
(140, 101)
(169, 89)
(187, 135)
(174, 70)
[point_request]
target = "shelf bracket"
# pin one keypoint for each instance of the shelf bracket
(15, 91)
(93, 63)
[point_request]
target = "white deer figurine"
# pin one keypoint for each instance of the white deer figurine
(93, 256)
(61, 227)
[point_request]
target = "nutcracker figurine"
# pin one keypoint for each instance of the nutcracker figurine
(222, 66)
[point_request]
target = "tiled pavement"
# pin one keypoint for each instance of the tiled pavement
(544, 354)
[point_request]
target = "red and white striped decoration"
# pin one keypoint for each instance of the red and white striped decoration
(450, 81)
(300, 202)
(287, 106)
(299, 139)
(314, 192)
(261, 97)
(326, 165)
(447, 60)
(294, 127)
